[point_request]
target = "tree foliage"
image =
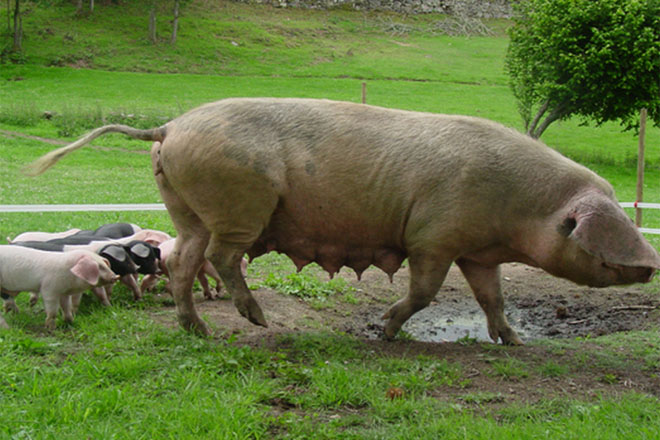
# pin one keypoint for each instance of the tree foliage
(597, 59)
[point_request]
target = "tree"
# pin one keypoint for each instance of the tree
(175, 22)
(597, 59)
(152, 23)
(18, 28)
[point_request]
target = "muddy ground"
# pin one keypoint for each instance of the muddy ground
(537, 305)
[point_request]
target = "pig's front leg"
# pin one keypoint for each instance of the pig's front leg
(67, 308)
(130, 281)
(427, 273)
(148, 282)
(75, 302)
(3, 323)
(485, 283)
(102, 294)
(51, 305)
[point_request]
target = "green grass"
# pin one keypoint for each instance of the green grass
(116, 373)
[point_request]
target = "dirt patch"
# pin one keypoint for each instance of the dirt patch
(537, 305)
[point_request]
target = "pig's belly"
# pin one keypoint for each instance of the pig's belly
(332, 239)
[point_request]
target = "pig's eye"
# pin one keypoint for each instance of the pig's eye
(567, 226)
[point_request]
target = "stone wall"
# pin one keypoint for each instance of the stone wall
(470, 8)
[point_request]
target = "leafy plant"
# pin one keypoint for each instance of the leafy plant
(306, 286)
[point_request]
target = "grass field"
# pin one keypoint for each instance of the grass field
(119, 372)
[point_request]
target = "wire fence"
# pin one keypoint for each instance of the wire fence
(161, 207)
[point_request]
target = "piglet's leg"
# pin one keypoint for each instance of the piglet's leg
(427, 273)
(51, 305)
(67, 308)
(34, 297)
(206, 288)
(485, 283)
(9, 303)
(148, 282)
(75, 302)
(131, 283)
(100, 293)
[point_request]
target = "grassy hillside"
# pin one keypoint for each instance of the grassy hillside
(224, 38)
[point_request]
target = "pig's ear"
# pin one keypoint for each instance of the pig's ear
(141, 250)
(602, 229)
(116, 252)
(87, 269)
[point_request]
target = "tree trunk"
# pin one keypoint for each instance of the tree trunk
(91, 6)
(535, 130)
(175, 22)
(18, 27)
(532, 126)
(8, 15)
(152, 22)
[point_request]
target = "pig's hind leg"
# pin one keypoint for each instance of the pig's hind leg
(427, 273)
(227, 258)
(187, 255)
(485, 283)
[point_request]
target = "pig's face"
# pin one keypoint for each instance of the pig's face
(120, 261)
(595, 243)
(94, 270)
(145, 256)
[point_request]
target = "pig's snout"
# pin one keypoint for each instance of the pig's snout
(634, 274)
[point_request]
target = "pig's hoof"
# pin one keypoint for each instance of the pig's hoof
(250, 309)
(391, 328)
(11, 307)
(210, 294)
(508, 336)
(195, 325)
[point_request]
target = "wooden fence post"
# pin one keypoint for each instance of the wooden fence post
(364, 93)
(640, 166)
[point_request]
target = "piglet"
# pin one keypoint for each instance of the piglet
(118, 256)
(56, 276)
(146, 258)
(151, 236)
(121, 264)
(116, 230)
(206, 270)
(42, 236)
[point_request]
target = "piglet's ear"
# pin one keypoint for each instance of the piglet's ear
(141, 250)
(116, 252)
(602, 229)
(87, 269)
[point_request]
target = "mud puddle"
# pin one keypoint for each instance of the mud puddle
(537, 305)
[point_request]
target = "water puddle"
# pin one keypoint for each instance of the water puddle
(434, 324)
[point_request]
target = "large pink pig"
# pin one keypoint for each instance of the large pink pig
(345, 184)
